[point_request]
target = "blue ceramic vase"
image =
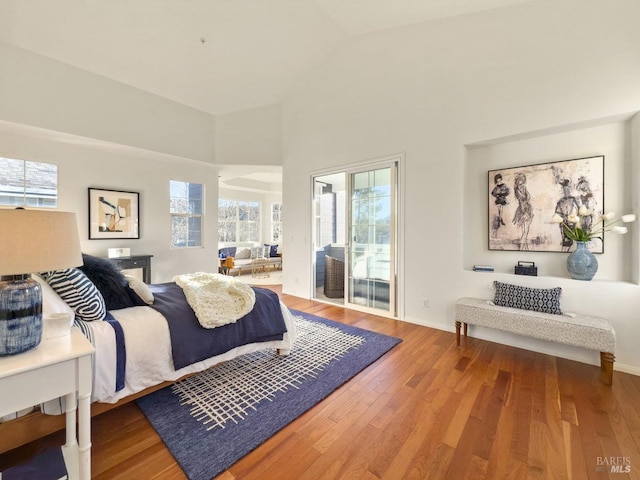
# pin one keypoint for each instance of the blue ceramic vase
(581, 263)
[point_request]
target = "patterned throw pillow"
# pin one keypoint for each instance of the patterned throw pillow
(79, 292)
(545, 300)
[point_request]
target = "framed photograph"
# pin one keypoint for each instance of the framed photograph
(523, 200)
(113, 214)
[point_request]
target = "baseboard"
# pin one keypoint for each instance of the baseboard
(621, 367)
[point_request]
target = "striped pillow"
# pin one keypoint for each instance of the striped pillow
(79, 292)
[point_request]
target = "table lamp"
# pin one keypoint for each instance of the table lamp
(31, 241)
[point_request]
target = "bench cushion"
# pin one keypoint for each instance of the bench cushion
(580, 331)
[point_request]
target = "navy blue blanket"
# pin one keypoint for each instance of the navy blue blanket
(190, 342)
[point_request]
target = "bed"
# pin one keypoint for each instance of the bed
(153, 339)
(145, 326)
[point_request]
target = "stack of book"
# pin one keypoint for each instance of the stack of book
(482, 268)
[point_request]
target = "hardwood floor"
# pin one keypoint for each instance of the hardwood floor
(426, 410)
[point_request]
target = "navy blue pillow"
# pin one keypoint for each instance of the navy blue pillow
(273, 250)
(228, 251)
(110, 283)
(545, 300)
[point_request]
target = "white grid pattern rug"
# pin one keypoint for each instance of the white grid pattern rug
(231, 390)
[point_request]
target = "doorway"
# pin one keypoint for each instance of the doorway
(355, 237)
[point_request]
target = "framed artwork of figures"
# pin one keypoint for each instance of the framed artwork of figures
(113, 214)
(522, 201)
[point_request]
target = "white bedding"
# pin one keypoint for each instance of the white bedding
(148, 347)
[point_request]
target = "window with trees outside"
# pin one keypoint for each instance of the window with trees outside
(186, 209)
(238, 221)
(24, 183)
(276, 222)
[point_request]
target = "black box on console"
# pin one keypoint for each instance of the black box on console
(526, 268)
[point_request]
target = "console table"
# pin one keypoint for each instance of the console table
(135, 261)
(57, 367)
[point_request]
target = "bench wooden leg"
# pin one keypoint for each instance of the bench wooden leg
(606, 367)
(458, 325)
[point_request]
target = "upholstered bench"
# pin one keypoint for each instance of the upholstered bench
(579, 330)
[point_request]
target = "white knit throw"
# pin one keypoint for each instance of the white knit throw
(216, 299)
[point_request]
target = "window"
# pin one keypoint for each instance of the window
(238, 221)
(186, 208)
(276, 222)
(28, 184)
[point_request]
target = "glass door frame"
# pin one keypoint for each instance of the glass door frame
(370, 258)
(396, 161)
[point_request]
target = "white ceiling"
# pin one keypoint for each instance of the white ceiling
(214, 55)
(265, 179)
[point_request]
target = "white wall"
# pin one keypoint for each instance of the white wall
(82, 165)
(44, 93)
(430, 90)
(250, 137)
(610, 140)
(634, 179)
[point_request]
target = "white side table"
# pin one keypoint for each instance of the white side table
(55, 368)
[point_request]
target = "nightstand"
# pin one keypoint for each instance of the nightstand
(57, 367)
(135, 261)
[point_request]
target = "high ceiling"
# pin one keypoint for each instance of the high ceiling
(266, 179)
(217, 56)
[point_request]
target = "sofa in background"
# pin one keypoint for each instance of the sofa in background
(243, 258)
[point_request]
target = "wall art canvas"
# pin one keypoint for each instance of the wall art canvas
(522, 201)
(113, 214)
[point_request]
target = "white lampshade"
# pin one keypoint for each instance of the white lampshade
(38, 241)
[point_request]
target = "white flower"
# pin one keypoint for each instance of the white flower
(583, 211)
(572, 228)
(557, 218)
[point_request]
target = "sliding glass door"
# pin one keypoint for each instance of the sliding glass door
(355, 237)
(371, 258)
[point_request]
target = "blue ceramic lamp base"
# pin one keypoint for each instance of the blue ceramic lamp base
(20, 315)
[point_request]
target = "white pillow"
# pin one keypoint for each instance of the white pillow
(51, 301)
(141, 288)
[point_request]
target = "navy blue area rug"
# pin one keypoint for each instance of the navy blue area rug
(212, 419)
